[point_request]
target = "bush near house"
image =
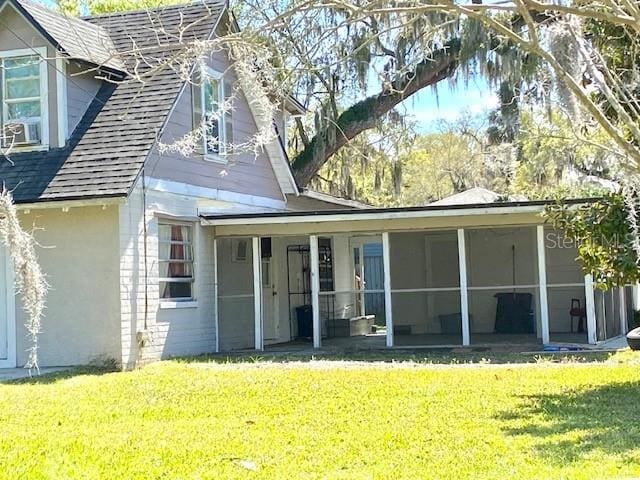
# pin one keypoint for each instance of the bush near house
(326, 420)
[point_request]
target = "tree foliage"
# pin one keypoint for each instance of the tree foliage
(99, 7)
(604, 238)
(553, 158)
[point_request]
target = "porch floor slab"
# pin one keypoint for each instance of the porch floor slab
(510, 342)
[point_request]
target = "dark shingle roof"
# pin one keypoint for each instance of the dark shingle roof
(78, 39)
(109, 146)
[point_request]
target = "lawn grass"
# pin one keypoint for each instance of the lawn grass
(323, 419)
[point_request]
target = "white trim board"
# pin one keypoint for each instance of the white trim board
(356, 215)
(44, 94)
(179, 188)
(10, 311)
(278, 161)
(61, 101)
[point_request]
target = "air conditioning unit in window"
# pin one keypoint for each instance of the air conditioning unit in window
(21, 133)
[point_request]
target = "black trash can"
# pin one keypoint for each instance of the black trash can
(304, 315)
(514, 313)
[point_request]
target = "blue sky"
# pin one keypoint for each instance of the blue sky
(451, 101)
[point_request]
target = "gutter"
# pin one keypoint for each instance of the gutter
(71, 202)
(323, 216)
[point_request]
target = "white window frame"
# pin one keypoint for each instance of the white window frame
(179, 302)
(44, 95)
(207, 74)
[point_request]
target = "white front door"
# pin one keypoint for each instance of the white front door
(270, 317)
(7, 313)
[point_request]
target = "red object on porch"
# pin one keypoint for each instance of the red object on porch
(578, 312)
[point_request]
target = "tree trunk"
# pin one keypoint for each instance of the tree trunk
(364, 115)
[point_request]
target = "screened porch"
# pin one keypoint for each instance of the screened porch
(506, 284)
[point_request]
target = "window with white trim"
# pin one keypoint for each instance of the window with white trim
(175, 261)
(23, 102)
(210, 94)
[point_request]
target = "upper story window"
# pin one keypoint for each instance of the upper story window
(210, 93)
(23, 95)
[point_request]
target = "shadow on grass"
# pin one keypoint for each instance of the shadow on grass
(60, 375)
(437, 357)
(570, 426)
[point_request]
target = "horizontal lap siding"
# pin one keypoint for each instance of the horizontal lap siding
(244, 173)
(172, 332)
(81, 90)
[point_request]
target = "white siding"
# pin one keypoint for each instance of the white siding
(244, 173)
(172, 331)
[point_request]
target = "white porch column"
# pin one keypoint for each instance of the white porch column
(542, 282)
(386, 265)
(464, 298)
(590, 304)
(315, 290)
(257, 294)
(623, 310)
(216, 310)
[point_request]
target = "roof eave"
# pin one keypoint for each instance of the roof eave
(384, 213)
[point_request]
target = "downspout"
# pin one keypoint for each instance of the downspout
(144, 239)
(142, 336)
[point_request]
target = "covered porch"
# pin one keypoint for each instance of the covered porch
(480, 276)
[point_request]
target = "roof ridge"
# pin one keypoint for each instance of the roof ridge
(76, 37)
(160, 8)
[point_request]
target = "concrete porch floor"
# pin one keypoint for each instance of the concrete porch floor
(512, 342)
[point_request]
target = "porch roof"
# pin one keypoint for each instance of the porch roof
(381, 219)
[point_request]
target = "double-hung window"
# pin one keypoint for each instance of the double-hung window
(212, 113)
(23, 95)
(175, 261)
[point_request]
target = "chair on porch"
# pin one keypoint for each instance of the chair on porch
(577, 311)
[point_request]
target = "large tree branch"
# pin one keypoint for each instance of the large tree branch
(364, 115)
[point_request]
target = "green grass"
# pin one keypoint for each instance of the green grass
(322, 419)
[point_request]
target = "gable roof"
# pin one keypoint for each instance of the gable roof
(106, 152)
(78, 39)
(471, 196)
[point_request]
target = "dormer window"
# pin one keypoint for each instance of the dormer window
(23, 95)
(209, 92)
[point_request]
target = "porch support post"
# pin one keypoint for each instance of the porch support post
(590, 304)
(257, 293)
(464, 298)
(623, 310)
(386, 266)
(315, 289)
(542, 281)
(216, 310)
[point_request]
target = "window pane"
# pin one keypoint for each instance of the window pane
(180, 233)
(23, 88)
(175, 290)
(22, 67)
(213, 129)
(210, 95)
(174, 233)
(175, 251)
(175, 270)
(22, 110)
(164, 232)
